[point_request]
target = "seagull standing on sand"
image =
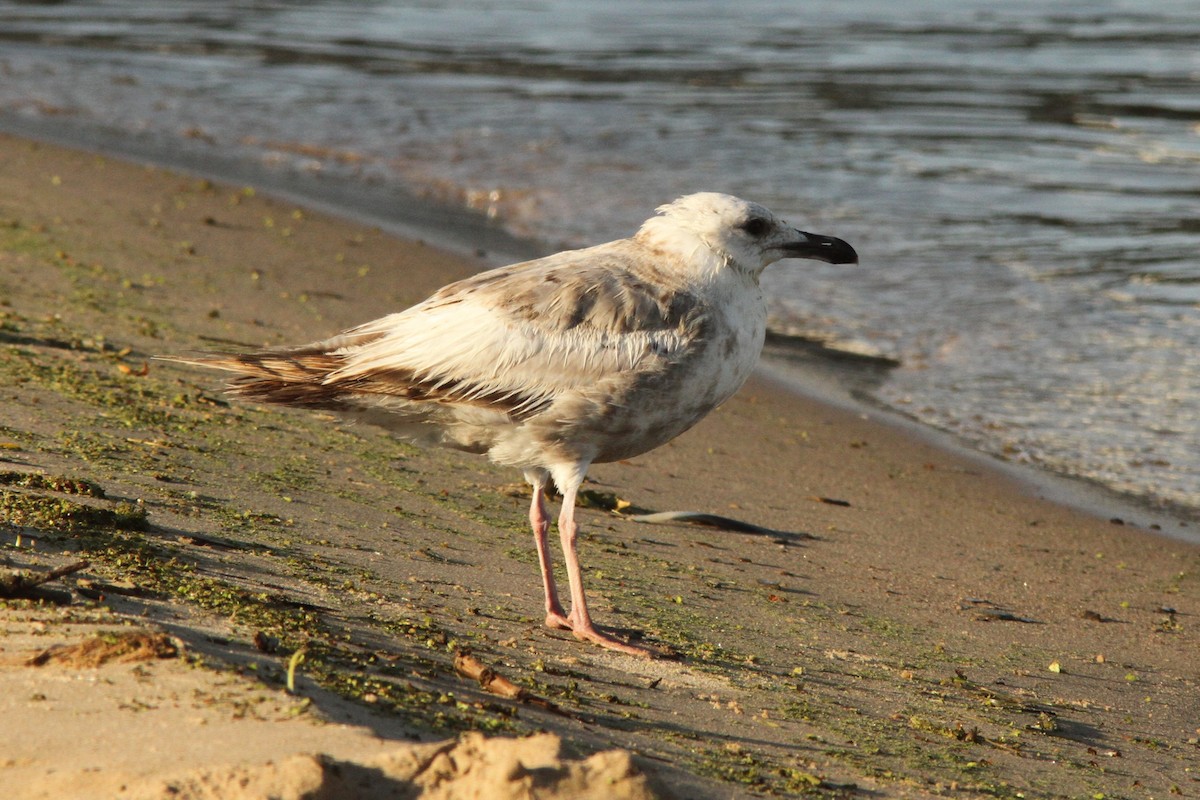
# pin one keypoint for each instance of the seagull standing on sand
(553, 365)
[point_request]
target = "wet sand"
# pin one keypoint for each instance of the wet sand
(918, 623)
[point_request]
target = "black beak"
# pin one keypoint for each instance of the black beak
(822, 248)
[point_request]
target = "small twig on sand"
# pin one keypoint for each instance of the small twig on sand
(18, 584)
(293, 663)
(493, 682)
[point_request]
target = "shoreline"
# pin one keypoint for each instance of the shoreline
(826, 375)
(456, 230)
(826, 385)
(915, 625)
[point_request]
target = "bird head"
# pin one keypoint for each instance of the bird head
(742, 234)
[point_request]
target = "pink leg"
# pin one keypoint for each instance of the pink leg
(555, 616)
(579, 620)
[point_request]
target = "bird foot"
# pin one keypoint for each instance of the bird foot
(558, 620)
(587, 632)
(590, 634)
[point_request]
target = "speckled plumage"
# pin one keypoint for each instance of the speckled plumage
(551, 365)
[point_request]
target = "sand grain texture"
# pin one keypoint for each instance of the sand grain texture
(942, 631)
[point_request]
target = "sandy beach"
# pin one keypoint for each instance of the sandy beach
(915, 622)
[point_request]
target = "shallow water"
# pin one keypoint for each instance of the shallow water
(1022, 180)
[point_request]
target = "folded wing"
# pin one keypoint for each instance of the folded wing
(510, 340)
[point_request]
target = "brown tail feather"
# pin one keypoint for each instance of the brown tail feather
(301, 377)
(288, 378)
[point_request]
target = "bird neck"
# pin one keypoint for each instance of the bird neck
(684, 249)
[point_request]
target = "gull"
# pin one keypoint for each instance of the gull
(549, 366)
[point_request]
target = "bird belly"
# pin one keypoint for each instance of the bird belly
(628, 415)
(681, 400)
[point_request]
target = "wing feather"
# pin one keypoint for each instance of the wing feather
(518, 337)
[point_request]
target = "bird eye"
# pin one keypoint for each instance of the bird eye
(755, 226)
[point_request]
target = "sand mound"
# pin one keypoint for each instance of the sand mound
(121, 647)
(471, 767)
